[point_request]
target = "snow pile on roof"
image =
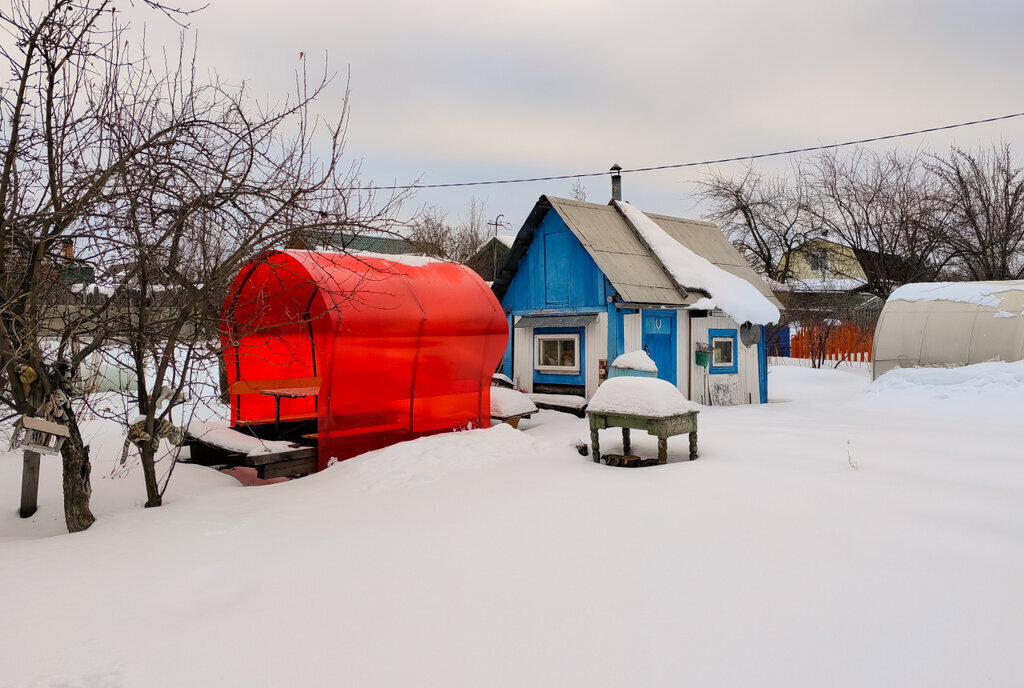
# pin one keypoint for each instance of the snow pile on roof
(509, 402)
(835, 284)
(218, 435)
(635, 360)
(640, 396)
(737, 297)
(980, 293)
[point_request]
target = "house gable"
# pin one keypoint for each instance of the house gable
(820, 261)
(555, 273)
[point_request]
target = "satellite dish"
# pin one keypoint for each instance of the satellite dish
(750, 334)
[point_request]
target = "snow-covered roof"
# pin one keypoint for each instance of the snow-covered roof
(505, 240)
(736, 296)
(839, 285)
(979, 293)
(636, 271)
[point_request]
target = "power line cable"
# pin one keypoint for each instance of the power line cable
(676, 166)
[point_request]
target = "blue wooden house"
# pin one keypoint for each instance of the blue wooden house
(582, 285)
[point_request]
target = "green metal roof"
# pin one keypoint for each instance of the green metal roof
(367, 242)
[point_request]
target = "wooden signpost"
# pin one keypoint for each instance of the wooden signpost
(35, 437)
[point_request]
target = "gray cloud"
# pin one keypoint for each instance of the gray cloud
(453, 91)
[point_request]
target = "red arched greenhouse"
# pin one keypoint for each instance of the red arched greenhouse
(368, 349)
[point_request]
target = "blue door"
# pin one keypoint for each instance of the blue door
(659, 341)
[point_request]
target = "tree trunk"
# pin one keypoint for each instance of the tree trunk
(77, 486)
(147, 451)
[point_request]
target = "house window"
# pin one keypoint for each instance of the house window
(723, 351)
(557, 353)
(818, 261)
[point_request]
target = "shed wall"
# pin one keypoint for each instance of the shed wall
(597, 348)
(707, 387)
(556, 274)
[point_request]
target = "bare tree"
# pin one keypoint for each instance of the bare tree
(983, 193)
(434, 236)
(766, 215)
(166, 184)
(578, 192)
(56, 169)
(887, 209)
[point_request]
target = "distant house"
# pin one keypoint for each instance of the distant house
(585, 283)
(820, 265)
(846, 283)
(491, 256)
(348, 242)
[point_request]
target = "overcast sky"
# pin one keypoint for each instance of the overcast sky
(449, 91)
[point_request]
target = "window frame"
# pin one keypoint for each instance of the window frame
(723, 368)
(556, 370)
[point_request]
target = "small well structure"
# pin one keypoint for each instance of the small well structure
(359, 350)
(947, 324)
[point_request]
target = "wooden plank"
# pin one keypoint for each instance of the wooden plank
(289, 418)
(284, 469)
(276, 457)
(29, 484)
(46, 426)
(513, 420)
(291, 392)
(257, 386)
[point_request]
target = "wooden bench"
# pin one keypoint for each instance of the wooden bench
(286, 388)
(261, 386)
(297, 461)
(513, 420)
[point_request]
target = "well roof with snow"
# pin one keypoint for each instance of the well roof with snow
(396, 347)
(949, 324)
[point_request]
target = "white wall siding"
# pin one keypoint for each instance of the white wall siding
(596, 338)
(740, 388)
(683, 355)
(522, 357)
(632, 333)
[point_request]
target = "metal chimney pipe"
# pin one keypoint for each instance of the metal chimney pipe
(616, 183)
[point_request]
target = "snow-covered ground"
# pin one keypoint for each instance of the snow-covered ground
(842, 535)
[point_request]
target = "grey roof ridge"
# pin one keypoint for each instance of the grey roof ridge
(545, 203)
(683, 291)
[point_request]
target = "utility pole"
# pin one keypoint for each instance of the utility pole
(496, 223)
(494, 249)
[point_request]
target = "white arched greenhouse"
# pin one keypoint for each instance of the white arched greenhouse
(949, 324)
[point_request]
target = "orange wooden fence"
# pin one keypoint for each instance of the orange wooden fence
(839, 341)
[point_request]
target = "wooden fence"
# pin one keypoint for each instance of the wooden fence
(847, 341)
